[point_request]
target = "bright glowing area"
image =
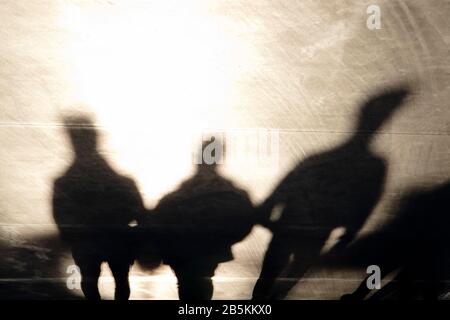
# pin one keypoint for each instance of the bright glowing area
(154, 73)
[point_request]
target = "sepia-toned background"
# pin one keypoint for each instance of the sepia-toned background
(154, 74)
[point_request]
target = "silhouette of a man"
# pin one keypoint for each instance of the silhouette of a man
(198, 224)
(93, 207)
(335, 188)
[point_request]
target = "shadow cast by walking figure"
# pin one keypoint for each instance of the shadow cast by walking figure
(331, 189)
(415, 245)
(93, 207)
(196, 225)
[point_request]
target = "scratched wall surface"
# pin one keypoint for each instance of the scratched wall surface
(153, 74)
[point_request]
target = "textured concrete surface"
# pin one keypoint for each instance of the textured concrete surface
(156, 73)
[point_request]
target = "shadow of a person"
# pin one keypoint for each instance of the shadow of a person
(335, 188)
(93, 207)
(415, 244)
(196, 225)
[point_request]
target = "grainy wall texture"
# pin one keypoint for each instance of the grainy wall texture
(154, 75)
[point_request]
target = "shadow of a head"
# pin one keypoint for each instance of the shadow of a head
(82, 133)
(378, 109)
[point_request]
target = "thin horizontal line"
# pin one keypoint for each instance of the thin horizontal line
(26, 224)
(150, 226)
(47, 125)
(368, 132)
(57, 125)
(167, 277)
(161, 278)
